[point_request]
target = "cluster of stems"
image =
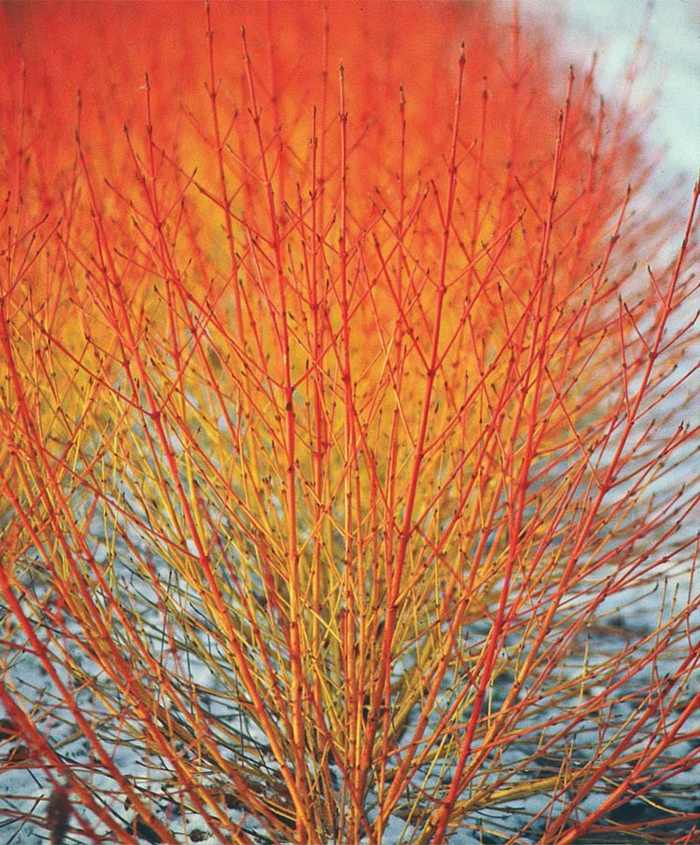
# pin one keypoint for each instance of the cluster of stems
(346, 388)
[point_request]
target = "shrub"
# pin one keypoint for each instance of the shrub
(346, 387)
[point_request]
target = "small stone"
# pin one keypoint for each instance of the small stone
(144, 831)
(58, 813)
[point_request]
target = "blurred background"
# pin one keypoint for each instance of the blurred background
(668, 66)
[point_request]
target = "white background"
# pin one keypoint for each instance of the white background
(671, 66)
